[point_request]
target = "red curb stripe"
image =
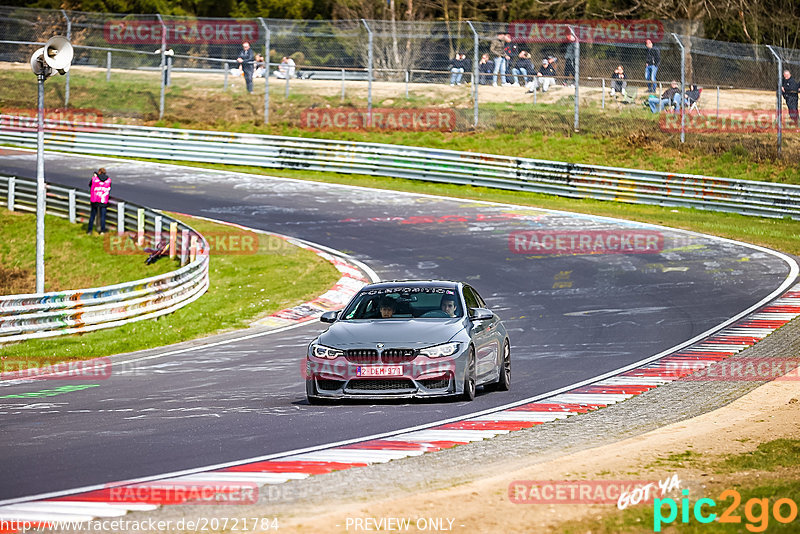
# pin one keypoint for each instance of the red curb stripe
(394, 445)
(489, 425)
(557, 407)
(617, 388)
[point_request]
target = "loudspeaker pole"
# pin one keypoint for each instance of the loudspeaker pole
(41, 192)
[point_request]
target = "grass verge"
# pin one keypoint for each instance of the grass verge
(771, 473)
(624, 137)
(66, 245)
(243, 287)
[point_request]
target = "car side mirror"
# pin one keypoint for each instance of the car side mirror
(329, 316)
(480, 314)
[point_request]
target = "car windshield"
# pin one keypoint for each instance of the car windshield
(404, 303)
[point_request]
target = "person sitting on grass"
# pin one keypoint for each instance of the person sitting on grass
(670, 97)
(545, 77)
(618, 83)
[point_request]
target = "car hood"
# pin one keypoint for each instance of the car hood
(410, 333)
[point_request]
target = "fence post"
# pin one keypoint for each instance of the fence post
(717, 102)
(683, 86)
(140, 227)
(168, 72)
(163, 65)
(173, 238)
(225, 83)
(369, 73)
(266, 69)
(108, 66)
(778, 95)
(406, 84)
(342, 85)
(603, 98)
(193, 249)
(577, 63)
(72, 206)
(184, 247)
(120, 218)
(157, 223)
(11, 187)
(475, 80)
(69, 38)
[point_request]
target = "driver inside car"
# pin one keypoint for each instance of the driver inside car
(387, 307)
(449, 305)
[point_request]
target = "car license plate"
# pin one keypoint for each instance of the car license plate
(375, 370)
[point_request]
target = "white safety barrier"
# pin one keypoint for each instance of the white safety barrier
(449, 166)
(56, 313)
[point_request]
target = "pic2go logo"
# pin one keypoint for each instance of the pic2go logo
(756, 511)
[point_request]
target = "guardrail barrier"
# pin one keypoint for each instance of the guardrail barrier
(24, 317)
(418, 163)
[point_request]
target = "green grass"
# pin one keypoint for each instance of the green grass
(629, 137)
(777, 464)
(766, 457)
(243, 287)
(66, 245)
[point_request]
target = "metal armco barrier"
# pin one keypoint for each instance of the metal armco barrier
(57, 313)
(397, 161)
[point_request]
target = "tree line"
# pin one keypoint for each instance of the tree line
(773, 22)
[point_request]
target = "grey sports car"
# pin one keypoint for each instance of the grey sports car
(409, 339)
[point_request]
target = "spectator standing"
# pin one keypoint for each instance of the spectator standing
(497, 48)
(247, 60)
(652, 61)
(523, 68)
(99, 191)
(511, 51)
(789, 87)
(569, 60)
(618, 83)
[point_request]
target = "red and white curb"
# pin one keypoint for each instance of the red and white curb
(108, 502)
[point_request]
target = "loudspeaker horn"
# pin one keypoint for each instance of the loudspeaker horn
(37, 65)
(58, 54)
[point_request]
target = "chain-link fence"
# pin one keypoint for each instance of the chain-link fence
(461, 75)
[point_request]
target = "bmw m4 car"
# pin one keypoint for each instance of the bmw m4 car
(409, 339)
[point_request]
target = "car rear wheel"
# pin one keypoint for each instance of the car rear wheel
(470, 377)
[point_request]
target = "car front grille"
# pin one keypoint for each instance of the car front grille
(435, 383)
(397, 355)
(361, 355)
(381, 385)
(329, 385)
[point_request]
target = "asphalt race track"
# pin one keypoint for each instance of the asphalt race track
(571, 317)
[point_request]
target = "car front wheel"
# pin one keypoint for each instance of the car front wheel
(470, 377)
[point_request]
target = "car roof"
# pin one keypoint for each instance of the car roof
(390, 284)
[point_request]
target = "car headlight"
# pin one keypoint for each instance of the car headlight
(328, 353)
(438, 351)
